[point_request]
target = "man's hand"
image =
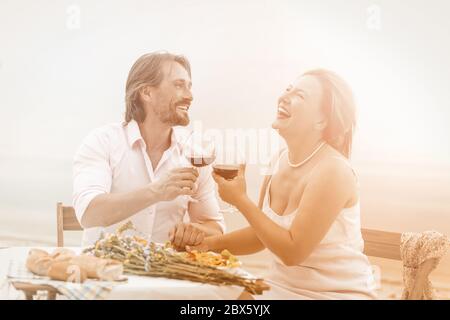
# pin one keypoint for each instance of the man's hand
(177, 182)
(186, 234)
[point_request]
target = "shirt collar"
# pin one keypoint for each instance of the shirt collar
(133, 133)
(178, 137)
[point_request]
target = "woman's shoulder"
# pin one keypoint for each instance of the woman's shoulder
(335, 168)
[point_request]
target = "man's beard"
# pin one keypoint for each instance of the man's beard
(171, 116)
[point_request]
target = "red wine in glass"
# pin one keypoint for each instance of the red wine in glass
(200, 153)
(227, 171)
(201, 160)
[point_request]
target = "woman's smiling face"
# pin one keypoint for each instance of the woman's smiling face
(299, 108)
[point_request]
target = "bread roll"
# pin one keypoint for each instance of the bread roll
(65, 265)
(103, 269)
(67, 271)
(38, 262)
(62, 252)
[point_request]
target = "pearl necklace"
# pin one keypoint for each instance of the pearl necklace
(296, 165)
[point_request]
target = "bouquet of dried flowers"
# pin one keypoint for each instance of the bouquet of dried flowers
(142, 257)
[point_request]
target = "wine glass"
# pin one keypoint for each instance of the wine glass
(226, 165)
(199, 151)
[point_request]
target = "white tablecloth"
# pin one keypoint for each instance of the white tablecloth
(136, 287)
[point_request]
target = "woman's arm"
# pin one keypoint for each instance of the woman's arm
(240, 242)
(329, 189)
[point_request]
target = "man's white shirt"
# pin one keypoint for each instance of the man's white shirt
(113, 159)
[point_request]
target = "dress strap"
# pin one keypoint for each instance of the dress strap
(265, 188)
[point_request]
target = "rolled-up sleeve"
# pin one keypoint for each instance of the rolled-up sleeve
(206, 208)
(92, 174)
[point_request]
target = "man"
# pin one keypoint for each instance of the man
(136, 170)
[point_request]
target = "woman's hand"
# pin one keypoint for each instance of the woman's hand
(232, 191)
(204, 246)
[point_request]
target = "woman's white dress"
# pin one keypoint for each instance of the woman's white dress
(336, 269)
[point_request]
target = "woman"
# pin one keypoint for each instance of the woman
(310, 216)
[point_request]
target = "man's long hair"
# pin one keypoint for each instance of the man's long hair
(147, 71)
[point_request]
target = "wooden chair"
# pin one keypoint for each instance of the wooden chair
(381, 244)
(65, 220)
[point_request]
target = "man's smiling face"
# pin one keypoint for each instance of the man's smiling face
(172, 98)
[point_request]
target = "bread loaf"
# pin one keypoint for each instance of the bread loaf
(67, 271)
(38, 262)
(65, 265)
(97, 268)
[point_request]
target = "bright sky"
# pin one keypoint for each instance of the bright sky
(63, 66)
